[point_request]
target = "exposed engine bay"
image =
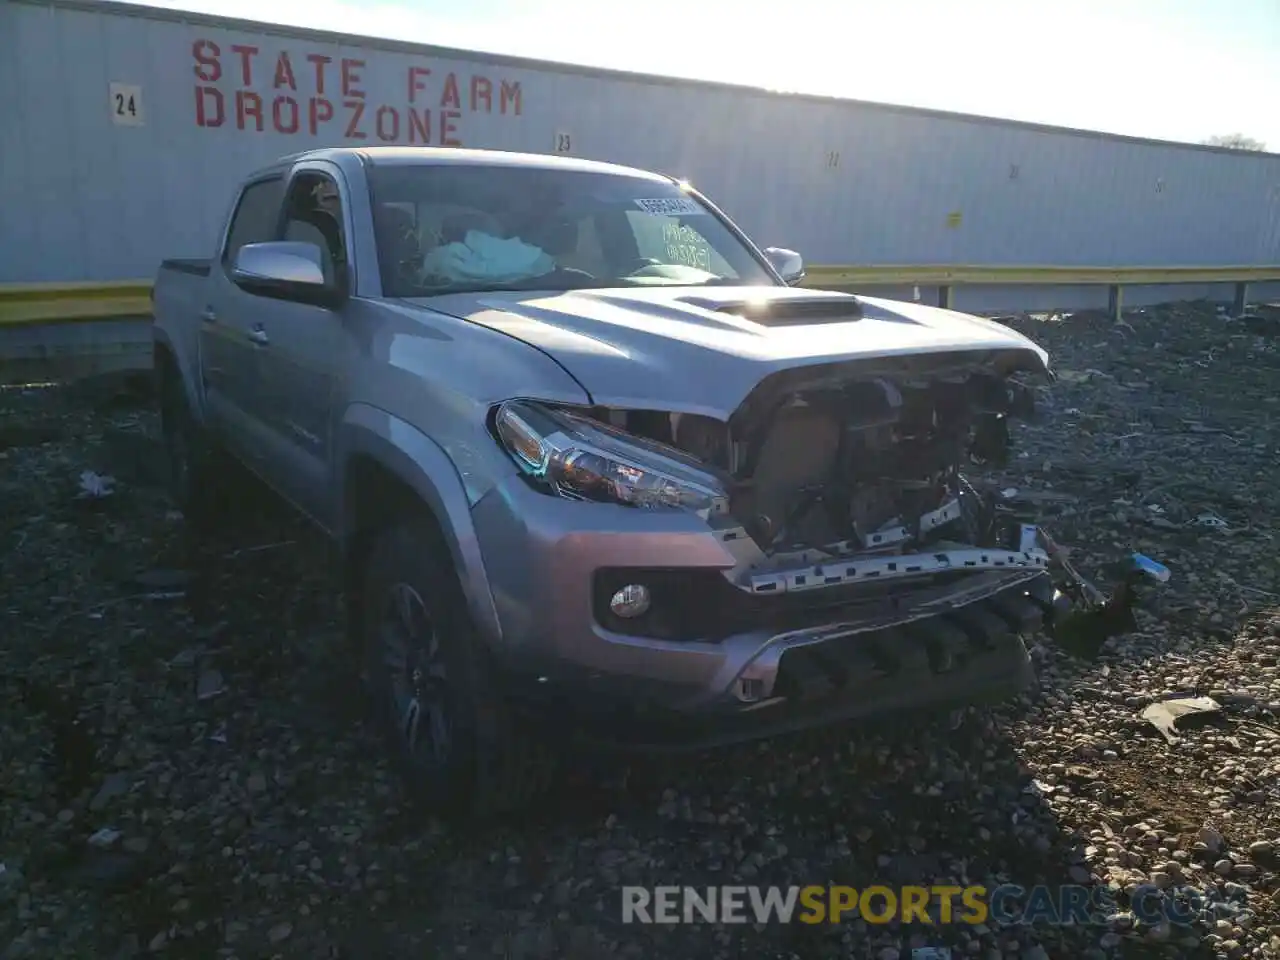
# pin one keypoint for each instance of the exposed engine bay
(840, 466)
(845, 484)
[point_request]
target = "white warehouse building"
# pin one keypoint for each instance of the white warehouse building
(127, 127)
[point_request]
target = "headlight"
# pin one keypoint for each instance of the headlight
(582, 459)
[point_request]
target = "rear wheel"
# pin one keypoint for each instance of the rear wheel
(451, 737)
(205, 482)
(186, 449)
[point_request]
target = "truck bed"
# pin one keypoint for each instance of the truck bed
(178, 298)
(198, 266)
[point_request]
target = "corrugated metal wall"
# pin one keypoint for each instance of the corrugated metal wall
(92, 190)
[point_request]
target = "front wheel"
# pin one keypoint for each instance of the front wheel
(450, 735)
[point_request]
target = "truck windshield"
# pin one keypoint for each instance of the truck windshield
(448, 229)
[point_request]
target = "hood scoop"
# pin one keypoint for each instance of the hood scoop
(792, 311)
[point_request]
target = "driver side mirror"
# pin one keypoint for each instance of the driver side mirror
(286, 270)
(788, 263)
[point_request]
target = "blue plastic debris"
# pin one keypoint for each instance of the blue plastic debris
(1157, 571)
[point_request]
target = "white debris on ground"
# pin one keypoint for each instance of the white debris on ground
(95, 485)
(208, 788)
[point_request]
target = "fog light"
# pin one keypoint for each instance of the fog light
(631, 601)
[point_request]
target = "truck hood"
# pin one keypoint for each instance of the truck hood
(703, 349)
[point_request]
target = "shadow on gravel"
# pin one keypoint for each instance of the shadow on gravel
(221, 739)
(862, 805)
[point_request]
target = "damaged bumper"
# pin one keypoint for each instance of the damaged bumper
(823, 685)
(713, 661)
(818, 555)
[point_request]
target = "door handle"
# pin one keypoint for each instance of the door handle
(259, 336)
(208, 316)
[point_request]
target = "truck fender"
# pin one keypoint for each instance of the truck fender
(162, 341)
(422, 466)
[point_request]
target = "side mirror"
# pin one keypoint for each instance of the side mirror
(288, 270)
(788, 263)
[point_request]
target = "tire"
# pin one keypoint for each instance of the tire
(455, 743)
(185, 447)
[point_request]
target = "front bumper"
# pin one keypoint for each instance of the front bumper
(840, 652)
(839, 684)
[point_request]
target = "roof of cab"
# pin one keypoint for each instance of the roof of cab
(456, 156)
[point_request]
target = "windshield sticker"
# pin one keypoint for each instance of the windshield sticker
(671, 207)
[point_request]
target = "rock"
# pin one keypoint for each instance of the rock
(1160, 932)
(162, 579)
(1211, 838)
(185, 658)
(11, 880)
(209, 684)
(581, 943)
(108, 870)
(115, 785)
(1223, 868)
(1261, 849)
(19, 948)
(104, 838)
(256, 783)
(280, 932)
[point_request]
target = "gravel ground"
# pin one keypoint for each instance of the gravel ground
(190, 775)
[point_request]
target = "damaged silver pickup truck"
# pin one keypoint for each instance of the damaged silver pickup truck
(591, 456)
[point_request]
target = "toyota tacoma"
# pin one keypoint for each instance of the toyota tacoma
(589, 455)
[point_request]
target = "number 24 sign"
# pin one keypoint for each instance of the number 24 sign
(126, 105)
